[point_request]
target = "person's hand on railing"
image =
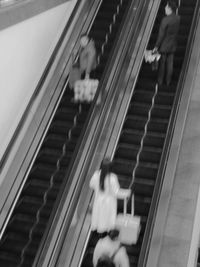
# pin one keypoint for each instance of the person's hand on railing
(155, 50)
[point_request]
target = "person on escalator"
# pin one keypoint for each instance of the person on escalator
(109, 252)
(86, 63)
(167, 42)
(106, 191)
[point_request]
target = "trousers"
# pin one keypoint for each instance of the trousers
(165, 69)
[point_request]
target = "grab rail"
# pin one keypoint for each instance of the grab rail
(143, 137)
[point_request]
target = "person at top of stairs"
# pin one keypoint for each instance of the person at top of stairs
(167, 42)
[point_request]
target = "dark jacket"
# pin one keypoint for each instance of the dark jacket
(87, 58)
(167, 37)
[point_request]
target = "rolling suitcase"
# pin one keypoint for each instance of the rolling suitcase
(128, 224)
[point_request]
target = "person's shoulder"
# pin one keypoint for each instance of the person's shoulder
(165, 19)
(97, 173)
(103, 241)
(175, 16)
(113, 176)
(91, 44)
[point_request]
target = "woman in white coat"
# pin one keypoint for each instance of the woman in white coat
(106, 191)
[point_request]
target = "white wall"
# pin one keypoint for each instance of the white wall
(24, 51)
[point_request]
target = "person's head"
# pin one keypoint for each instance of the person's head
(114, 234)
(105, 170)
(170, 7)
(84, 40)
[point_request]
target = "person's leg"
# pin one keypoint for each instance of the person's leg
(170, 60)
(83, 75)
(161, 69)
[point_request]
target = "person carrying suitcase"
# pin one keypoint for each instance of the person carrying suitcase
(167, 42)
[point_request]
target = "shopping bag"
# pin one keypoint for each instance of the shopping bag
(152, 58)
(128, 224)
(85, 90)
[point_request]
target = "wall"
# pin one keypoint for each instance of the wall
(15, 11)
(24, 53)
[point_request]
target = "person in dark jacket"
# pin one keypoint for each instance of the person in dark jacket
(166, 42)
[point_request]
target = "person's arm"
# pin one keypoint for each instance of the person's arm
(97, 252)
(93, 181)
(161, 34)
(119, 192)
(123, 258)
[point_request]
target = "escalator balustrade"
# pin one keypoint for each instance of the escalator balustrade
(129, 143)
(24, 232)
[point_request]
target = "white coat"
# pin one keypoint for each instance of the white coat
(104, 211)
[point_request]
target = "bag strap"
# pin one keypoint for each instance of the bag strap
(115, 252)
(132, 205)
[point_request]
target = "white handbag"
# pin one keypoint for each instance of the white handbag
(85, 90)
(128, 224)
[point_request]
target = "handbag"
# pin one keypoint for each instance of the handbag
(128, 224)
(85, 90)
(153, 58)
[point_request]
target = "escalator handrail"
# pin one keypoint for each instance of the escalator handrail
(106, 74)
(86, 7)
(169, 135)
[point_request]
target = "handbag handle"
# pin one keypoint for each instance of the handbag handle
(132, 205)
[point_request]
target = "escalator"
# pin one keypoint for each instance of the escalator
(133, 131)
(28, 222)
(198, 258)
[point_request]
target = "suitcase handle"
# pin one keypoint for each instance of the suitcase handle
(132, 205)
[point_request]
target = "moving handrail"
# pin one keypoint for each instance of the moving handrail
(84, 172)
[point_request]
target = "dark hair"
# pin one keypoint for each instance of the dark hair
(172, 4)
(113, 234)
(105, 263)
(105, 169)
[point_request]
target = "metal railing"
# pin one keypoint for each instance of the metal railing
(110, 30)
(143, 137)
(51, 184)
